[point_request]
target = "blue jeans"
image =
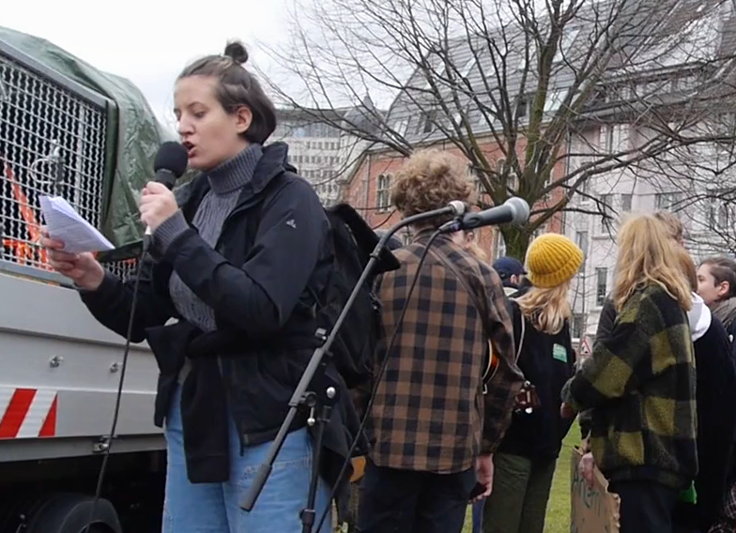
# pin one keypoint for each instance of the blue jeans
(214, 507)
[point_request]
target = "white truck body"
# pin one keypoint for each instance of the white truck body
(60, 369)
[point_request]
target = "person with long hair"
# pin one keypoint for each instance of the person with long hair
(526, 459)
(716, 386)
(640, 382)
(675, 231)
(226, 302)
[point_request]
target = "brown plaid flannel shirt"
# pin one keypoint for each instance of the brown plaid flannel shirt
(430, 413)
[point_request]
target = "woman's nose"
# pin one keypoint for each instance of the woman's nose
(184, 127)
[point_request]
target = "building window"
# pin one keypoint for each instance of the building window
(581, 239)
(719, 215)
(606, 206)
(609, 138)
(427, 122)
(383, 192)
(577, 327)
(585, 186)
(522, 110)
(601, 285)
(500, 165)
(563, 47)
(500, 245)
(600, 96)
(554, 100)
(467, 66)
(626, 203)
(667, 201)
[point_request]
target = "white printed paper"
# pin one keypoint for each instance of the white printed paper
(64, 224)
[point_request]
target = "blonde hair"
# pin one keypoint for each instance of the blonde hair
(672, 224)
(476, 251)
(687, 265)
(546, 308)
(646, 255)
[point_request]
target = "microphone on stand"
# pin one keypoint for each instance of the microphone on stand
(169, 165)
(458, 208)
(514, 210)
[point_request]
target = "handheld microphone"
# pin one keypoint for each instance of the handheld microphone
(514, 210)
(169, 165)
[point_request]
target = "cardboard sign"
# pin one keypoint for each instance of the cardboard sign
(594, 509)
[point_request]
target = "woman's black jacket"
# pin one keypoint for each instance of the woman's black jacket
(274, 252)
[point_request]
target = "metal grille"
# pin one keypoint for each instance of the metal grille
(124, 270)
(52, 142)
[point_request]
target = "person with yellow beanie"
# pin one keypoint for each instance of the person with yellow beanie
(525, 461)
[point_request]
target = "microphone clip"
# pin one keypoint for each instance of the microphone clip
(451, 226)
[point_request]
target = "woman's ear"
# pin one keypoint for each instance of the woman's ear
(243, 118)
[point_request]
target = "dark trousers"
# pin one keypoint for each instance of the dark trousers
(406, 501)
(646, 506)
(521, 486)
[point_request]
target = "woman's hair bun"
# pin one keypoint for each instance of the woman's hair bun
(237, 52)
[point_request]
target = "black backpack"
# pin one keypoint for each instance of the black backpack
(353, 241)
(354, 347)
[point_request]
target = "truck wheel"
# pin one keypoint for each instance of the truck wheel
(70, 513)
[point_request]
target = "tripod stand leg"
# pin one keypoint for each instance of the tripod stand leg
(308, 514)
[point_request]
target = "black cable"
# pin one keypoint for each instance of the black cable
(119, 396)
(378, 377)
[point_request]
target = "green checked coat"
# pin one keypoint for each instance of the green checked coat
(640, 383)
(430, 413)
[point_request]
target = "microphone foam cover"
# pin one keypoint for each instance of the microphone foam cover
(171, 156)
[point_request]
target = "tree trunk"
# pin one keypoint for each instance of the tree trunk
(517, 241)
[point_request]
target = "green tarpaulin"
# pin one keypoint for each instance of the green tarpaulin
(134, 133)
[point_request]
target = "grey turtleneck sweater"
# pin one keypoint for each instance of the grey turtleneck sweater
(226, 182)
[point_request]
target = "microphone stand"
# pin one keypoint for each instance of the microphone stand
(321, 400)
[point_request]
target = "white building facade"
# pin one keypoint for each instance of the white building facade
(690, 192)
(314, 149)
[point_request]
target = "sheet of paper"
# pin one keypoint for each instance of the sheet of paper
(65, 224)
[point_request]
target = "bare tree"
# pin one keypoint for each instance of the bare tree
(521, 88)
(698, 183)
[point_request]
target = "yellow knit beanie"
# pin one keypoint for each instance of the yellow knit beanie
(551, 260)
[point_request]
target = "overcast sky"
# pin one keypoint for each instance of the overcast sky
(149, 41)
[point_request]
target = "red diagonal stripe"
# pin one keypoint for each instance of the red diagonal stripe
(49, 425)
(16, 412)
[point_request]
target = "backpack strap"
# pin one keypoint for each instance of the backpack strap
(523, 331)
